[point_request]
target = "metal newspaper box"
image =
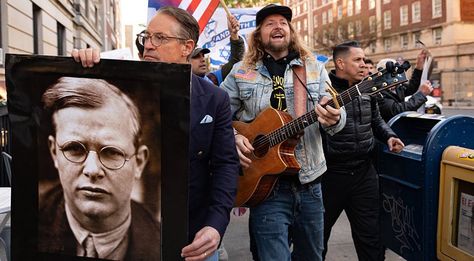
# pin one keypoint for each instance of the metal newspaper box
(409, 181)
(456, 205)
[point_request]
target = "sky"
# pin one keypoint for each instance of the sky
(134, 11)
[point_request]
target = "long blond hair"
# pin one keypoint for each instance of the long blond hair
(256, 51)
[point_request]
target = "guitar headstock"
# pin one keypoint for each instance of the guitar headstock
(392, 75)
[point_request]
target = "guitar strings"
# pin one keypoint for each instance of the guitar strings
(290, 129)
(279, 134)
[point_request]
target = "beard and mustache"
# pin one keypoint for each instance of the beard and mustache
(276, 47)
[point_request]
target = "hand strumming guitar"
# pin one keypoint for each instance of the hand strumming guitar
(244, 147)
(327, 116)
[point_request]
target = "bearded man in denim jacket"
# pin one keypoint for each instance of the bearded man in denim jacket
(265, 78)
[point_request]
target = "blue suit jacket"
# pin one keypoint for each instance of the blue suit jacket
(214, 164)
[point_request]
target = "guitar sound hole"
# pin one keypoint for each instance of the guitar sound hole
(261, 146)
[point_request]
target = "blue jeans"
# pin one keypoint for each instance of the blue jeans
(292, 213)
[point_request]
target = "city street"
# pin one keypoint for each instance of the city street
(341, 247)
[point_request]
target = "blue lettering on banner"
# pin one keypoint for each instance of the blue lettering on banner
(249, 24)
(221, 36)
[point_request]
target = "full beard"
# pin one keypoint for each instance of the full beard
(276, 48)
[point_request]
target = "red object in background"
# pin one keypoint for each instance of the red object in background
(201, 10)
(436, 92)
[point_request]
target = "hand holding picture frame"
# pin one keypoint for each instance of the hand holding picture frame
(80, 138)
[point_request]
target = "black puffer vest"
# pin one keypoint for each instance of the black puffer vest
(350, 148)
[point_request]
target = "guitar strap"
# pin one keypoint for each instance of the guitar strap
(299, 86)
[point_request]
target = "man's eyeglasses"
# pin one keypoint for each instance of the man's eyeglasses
(157, 39)
(111, 157)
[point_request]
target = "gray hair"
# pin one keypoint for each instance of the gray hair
(189, 26)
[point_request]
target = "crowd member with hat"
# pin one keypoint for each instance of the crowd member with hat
(294, 209)
(237, 49)
(392, 102)
(198, 61)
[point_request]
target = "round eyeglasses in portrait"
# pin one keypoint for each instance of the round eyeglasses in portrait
(111, 157)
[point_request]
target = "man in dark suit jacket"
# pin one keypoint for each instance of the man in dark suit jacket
(171, 36)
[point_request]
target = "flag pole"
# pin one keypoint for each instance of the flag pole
(225, 8)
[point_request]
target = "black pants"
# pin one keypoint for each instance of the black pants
(356, 192)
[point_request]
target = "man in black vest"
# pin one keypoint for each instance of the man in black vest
(351, 183)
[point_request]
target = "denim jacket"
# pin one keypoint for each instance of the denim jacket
(250, 89)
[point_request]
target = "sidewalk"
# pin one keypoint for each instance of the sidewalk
(341, 248)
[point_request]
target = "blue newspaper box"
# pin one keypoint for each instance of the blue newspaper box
(409, 181)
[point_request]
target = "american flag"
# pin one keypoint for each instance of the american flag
(202, 10)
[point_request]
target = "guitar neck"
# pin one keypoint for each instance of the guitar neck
(299, 124)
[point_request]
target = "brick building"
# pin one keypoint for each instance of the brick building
(393, 29)
(55, 27)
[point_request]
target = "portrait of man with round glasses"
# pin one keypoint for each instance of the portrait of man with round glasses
(97, 149)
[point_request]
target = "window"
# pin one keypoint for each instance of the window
(415, 12)
(61, 34)
(331, 33)
(404, 41)
(372, 24)
(416, 38)
(404, 15)
(358, 28)
(350, 7)
(371, 4)
(298, 26)
(386, 1)
(305, 7)
(325, 2)
(340, 32)
(306, 38)
(350, 30)
(305, 24)
(87, 7)
(325, 37)
(387, 20)
(315, 21)
(387, 44)
(96, 16)
(357, 6)
(437, 33)
(330, 16)
(437, 8)
(37, 30)
(339, 12)
(297, 10)
(325, 18)
(373, 47)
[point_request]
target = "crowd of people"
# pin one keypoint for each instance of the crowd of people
(276, 70)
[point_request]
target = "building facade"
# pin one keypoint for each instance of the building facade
(399, 29)
(55, 27)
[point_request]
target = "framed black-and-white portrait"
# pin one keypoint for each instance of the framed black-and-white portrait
(100, 158)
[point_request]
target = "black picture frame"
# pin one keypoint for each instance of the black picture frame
(162, 93)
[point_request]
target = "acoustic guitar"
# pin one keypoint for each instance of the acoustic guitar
(273, 134)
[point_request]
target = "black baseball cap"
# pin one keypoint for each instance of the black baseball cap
(200, 50)
(270, 9)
